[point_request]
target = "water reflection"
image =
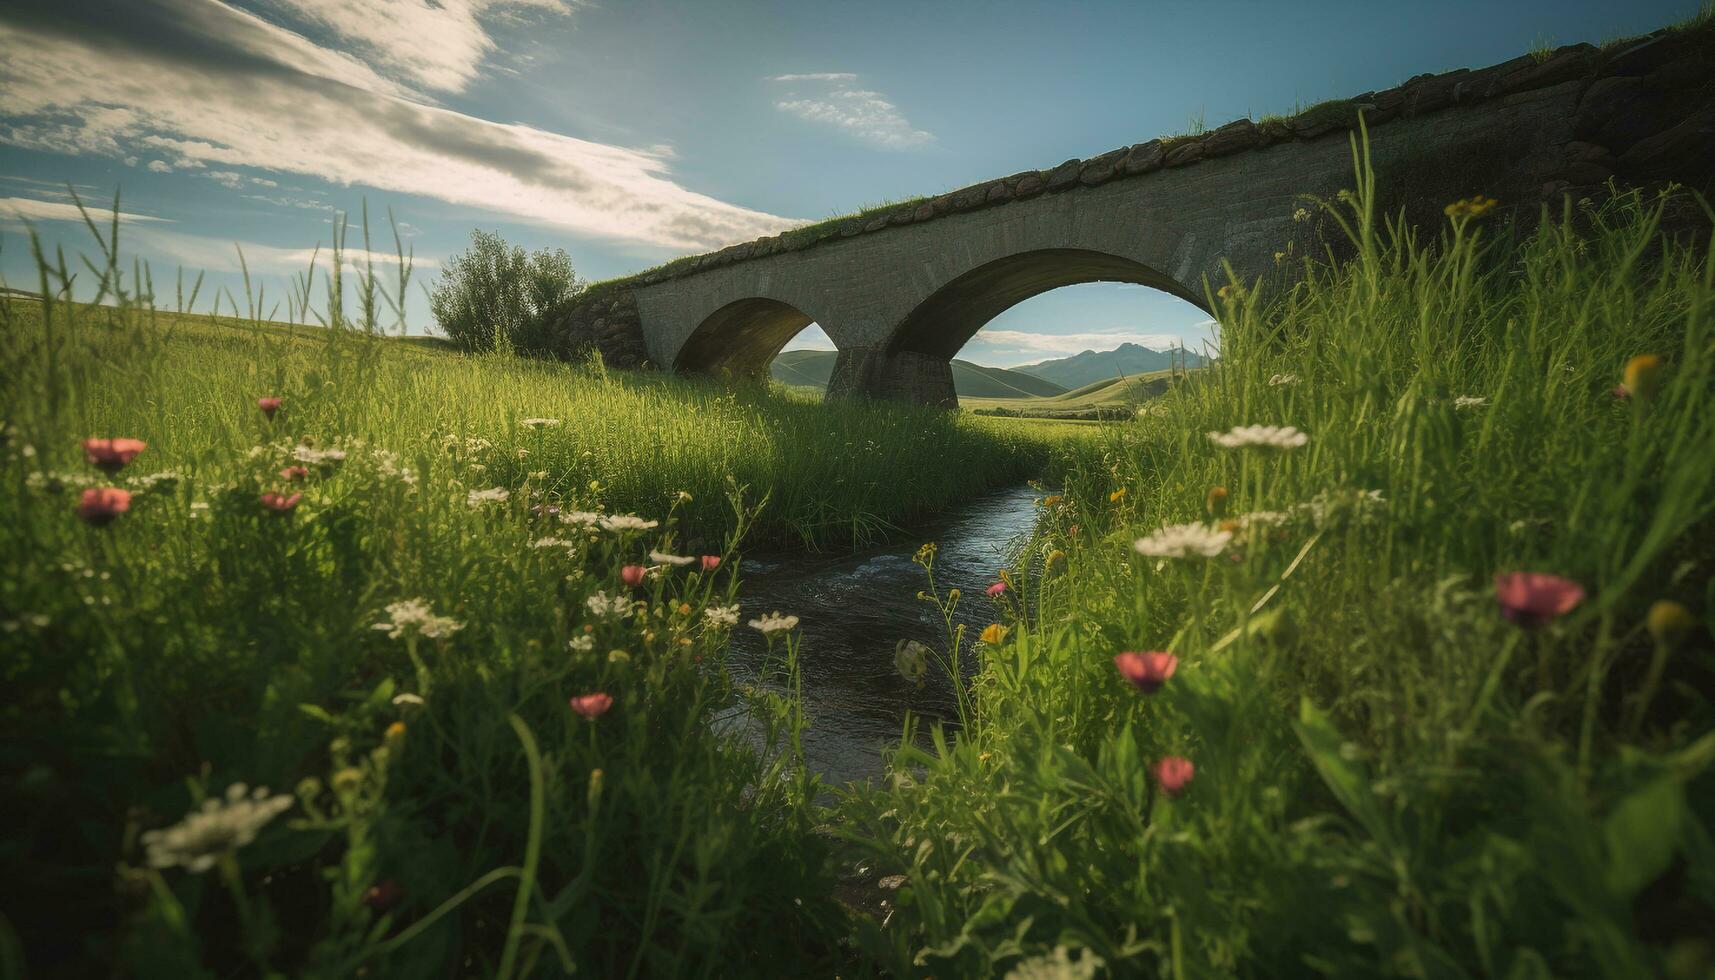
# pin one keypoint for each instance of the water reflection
(853, 609)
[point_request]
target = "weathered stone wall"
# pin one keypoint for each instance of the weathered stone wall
(919, 278)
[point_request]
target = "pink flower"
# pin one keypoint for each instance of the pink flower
(1621, 392)
(280, 503)
(632, 575)
(100, 505)
(995, 589)
(1174, 774)
(1533, 599)
(112, 455)
(711, 562)
(1146, 671)
(268, 406)
(592, 706)
(294, 473)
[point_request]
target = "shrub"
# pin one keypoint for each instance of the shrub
(498, 297)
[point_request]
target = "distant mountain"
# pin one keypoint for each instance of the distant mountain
(812, 368)
(1090, 366)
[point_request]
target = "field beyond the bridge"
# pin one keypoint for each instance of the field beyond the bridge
(1381, 646)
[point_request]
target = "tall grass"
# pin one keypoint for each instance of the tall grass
(379, 599)
(1390, 777)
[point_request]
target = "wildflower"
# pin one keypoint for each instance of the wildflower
(1668, 622)
(663, 558)
(1216, 502)
(414, 617)
(408, 700)
(1279, 257)
(1116, 496)
(216, 829)
(1052, 500)
(620, 523)
(925, 553)
(347, 780)
(773, 623)
(1174, 774)
(1300, 214)
(100, 505)
(1146, 671)
(384, 895)
(112, 455)
(604, 606)
(581, 518)
(995, 590)
(721, 617)
(1471, 207)
(581, 644)
(538, 423)
(295, 474)
(1054, 558)
(1281, 380)
(394, 736)
(710, 562)
(1277, 437)
(632, 575)
(322, 458)
(1643, 375)
(1183, 541)
(493, 495)
(280, 503)
(1533, 599)
(199, 508)
(268, 406)
(551, 542)
(1469, 401)
(592, 706)
(163, 481)
(911, 659)
(994, 633)
(1620, 392)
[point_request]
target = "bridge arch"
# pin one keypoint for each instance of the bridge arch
(951, 315)
(740, 338)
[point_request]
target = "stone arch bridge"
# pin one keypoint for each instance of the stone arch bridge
(900, 289)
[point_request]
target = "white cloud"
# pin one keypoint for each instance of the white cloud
(160, 167)
(228, 178)
(1022, 341)
(217, 86)
(439, 44)
(30, 209)
(221, 255)
(863, 113)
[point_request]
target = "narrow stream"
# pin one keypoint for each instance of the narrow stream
(854, 608)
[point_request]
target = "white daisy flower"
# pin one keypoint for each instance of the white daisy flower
(582, 518)
(214, 830)
(1278, 437)
(663, 558)
(721, 617)
(311, 456)
(493, 495)
(1183, 541)
(582, 644)
(774, 622)
(626, 522)
(414, 617)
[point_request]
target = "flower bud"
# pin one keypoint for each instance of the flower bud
(1644, 376)
(1669, 622)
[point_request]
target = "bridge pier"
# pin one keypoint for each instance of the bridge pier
(907, 376)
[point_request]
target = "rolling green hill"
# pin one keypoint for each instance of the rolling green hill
(1092, 365)
(812, 368)
(1107, 398)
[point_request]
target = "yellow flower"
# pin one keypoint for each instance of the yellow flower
(994, 633)
(1669, 622)
(1471, 207)
(1051, 500)
(1643, 375)
(1116, 496)
(1216, 502)
(1055, 557)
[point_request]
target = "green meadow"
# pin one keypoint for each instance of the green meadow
(1380, 647)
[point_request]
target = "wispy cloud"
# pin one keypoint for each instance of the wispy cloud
(31, 209)
(863, 113)
(1025, 342)
(194, 82)
(439, 44)
(221, 255)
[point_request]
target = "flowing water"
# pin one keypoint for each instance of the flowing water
(854, 608)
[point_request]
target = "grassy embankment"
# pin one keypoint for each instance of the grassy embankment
(1382, 772)
(442, 801)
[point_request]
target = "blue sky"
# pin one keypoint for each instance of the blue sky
(632, 132)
